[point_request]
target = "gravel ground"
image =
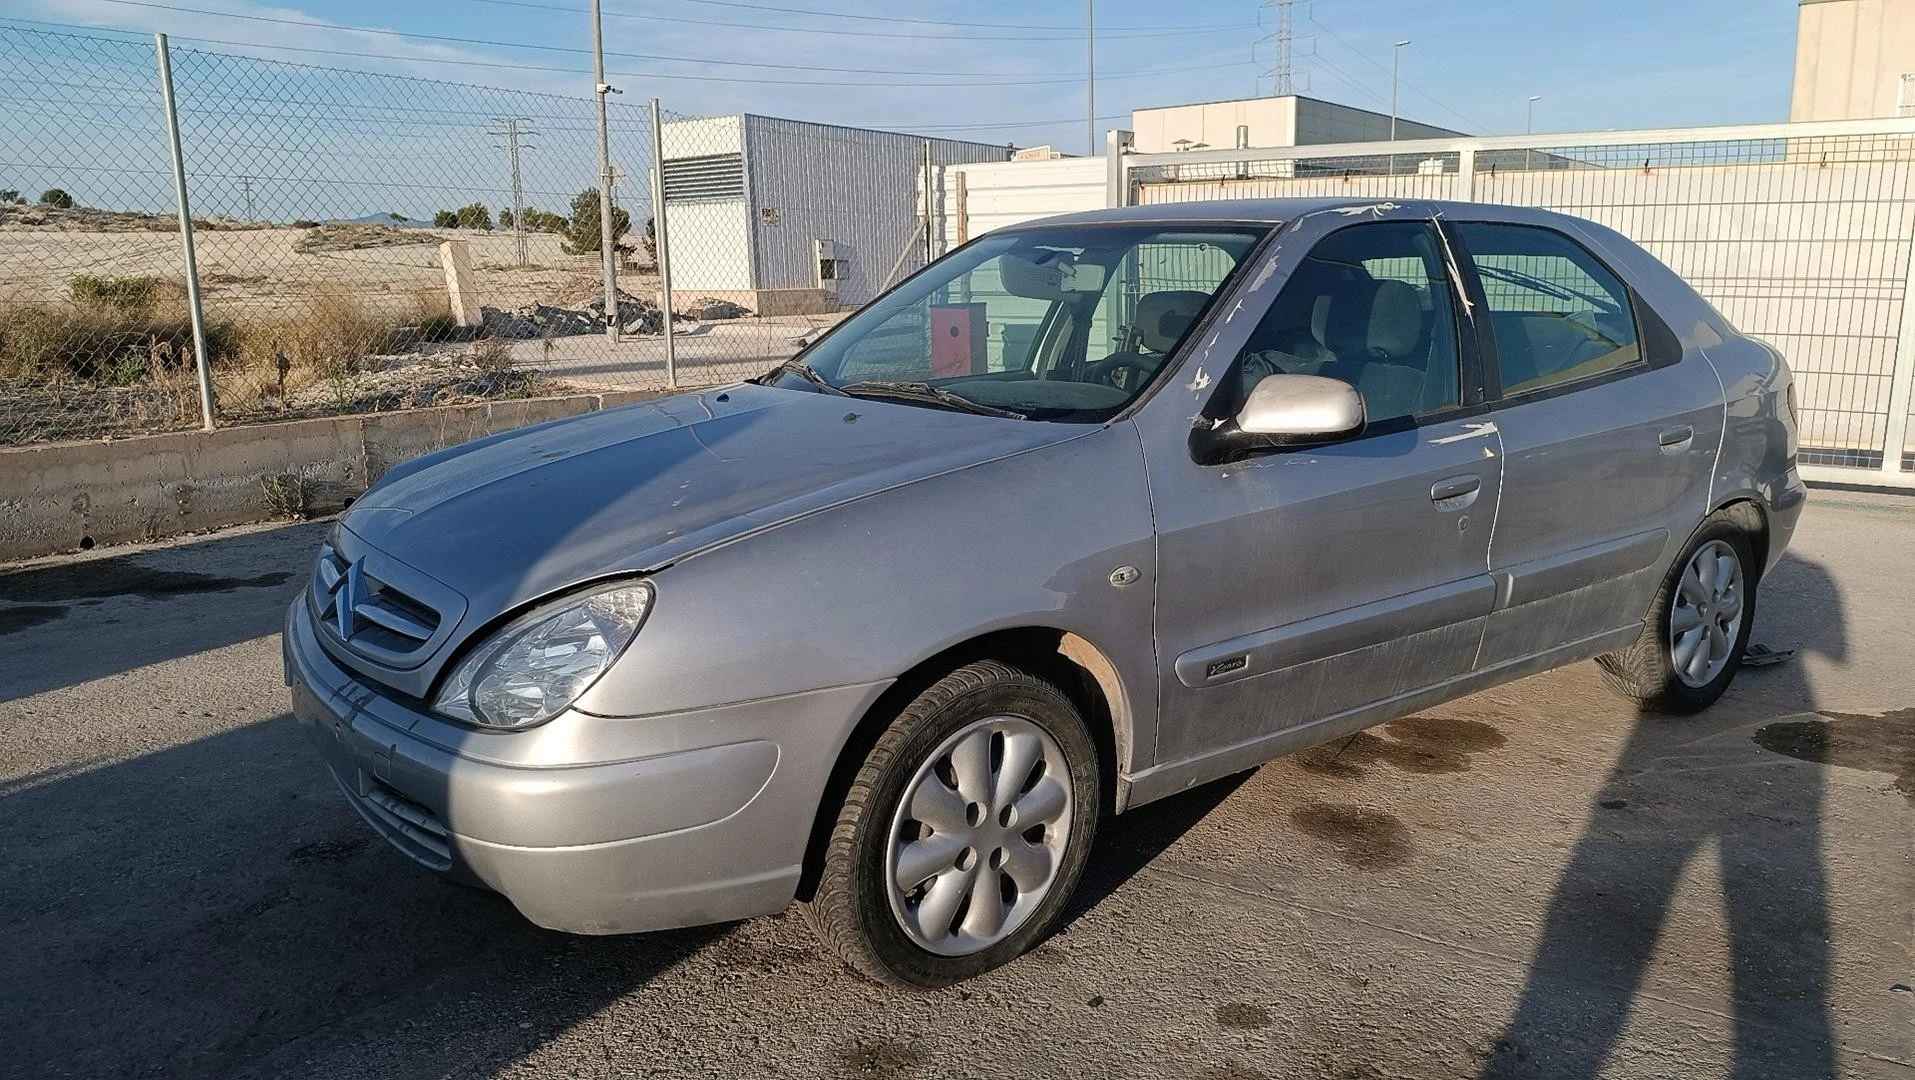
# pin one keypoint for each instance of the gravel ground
(1529, 882)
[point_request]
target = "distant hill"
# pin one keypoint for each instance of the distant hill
(383, 219)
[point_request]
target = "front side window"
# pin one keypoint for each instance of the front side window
(1371, 305)
(1052, 323)
(1559, 314)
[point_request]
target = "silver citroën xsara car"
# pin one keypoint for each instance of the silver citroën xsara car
(1087, 512)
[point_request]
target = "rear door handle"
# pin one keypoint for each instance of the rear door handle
(1456, 493)
(1676, 439)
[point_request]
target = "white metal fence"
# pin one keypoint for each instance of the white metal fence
(1801, 234)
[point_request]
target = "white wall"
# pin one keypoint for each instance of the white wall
(993, 195)
(1850, 56)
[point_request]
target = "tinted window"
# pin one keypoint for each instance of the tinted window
(1558, 313)
(1371, 305)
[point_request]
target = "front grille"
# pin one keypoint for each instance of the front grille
(369, 614)
(412, 828)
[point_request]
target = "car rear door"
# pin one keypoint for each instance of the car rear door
(1609, 432)
(1295, 586)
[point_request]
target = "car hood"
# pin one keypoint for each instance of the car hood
(516, 516)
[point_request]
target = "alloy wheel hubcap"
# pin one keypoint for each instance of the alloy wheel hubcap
(1705, 622)
(977, 840)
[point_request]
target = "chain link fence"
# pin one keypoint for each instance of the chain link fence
(367, 241)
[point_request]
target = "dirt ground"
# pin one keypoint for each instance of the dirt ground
(1531, 882)
(248, 271)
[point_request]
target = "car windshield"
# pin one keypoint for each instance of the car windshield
(1066, 322)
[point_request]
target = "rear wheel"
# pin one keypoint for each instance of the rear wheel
(964, 833)
(1696, 630)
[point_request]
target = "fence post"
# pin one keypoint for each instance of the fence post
(930, 214)
(1116, 173)
(607, 256)
(1901, 382)
(201, 360)
(662, 246)
(1466, 173)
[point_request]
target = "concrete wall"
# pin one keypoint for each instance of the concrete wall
(1850, 56)
(64, 496)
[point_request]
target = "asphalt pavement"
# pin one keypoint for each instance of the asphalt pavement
(1531, 882)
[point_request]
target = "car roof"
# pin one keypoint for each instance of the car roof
(1266, 211)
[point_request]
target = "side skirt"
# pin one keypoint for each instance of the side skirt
(1160, 781)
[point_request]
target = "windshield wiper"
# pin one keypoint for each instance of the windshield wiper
(926, 394)
(803, 371)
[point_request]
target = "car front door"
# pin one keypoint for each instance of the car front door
(1609, 435)
(1303, 585)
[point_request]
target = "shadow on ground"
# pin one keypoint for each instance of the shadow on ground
(92, 618)
(1726, 784)
(195, 910)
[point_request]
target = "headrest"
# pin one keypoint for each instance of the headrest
(1164, 317)
(1374, 320)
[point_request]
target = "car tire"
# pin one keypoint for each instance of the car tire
(1667, 671)
(982, 798)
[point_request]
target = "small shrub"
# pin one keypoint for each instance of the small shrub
(56, 198)
(474, 216)
(125, 293)
(286, 496)
(93, 342)
(492, 355)
(305, 223)
(439, 327)
(445, 219)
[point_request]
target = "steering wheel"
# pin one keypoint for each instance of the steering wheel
(1103, 370)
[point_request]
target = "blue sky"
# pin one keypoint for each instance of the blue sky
(1615, 64)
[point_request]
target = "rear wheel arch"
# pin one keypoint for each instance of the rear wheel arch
(1077, 667)
(1747, 512)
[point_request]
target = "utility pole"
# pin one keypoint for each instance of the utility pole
(1090, 85)
(608, 256)
(513, 145)
(246, 190)
(1283, 39)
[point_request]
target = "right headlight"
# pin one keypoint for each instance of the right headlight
(540, 663)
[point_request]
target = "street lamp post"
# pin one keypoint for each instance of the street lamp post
(1529, 125)
(1396, 65)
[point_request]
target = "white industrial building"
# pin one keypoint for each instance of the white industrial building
(787, 217)
(1289, 120)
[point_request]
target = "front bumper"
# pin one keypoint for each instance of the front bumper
(699, 817)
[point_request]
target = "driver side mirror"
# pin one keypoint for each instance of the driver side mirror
(1302, 410)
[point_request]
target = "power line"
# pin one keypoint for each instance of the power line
(1064, 34)
(314, 24)
(1373, 62)
(97, 34)
(928, 22)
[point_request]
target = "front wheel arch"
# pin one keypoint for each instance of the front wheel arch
(1067, 660)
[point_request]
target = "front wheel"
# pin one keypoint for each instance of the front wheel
(964, 833)
(1696, 630)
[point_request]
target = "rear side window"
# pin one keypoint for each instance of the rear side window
(1559, 314)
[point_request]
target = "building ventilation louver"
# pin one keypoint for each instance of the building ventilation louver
(707, 178)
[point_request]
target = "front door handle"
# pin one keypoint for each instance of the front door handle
(1676, 439)
(1456, 493)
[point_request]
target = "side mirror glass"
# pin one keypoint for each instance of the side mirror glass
(1302, 409)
